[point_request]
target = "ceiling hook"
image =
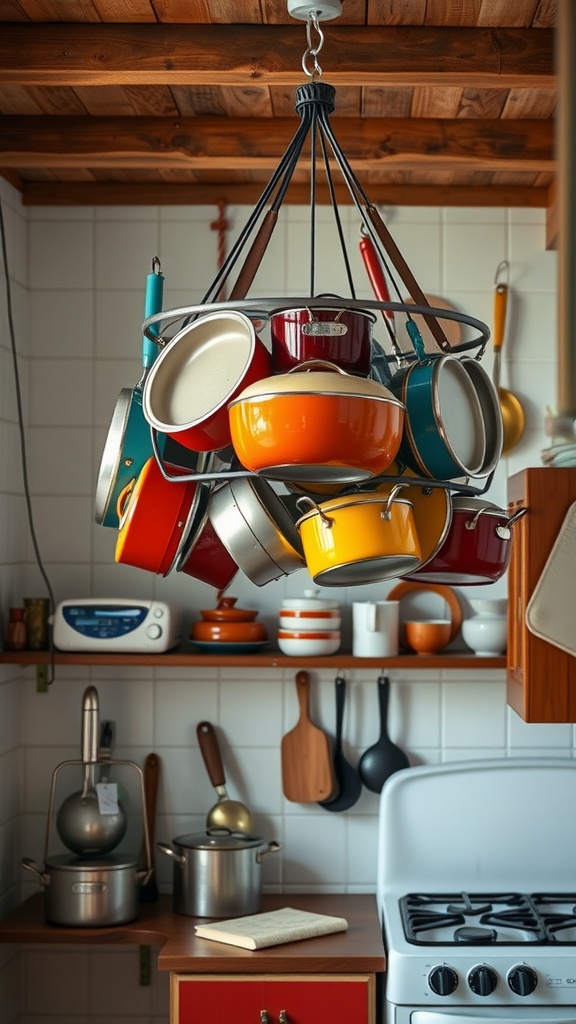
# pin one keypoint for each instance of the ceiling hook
(313, 51)
(502, 275)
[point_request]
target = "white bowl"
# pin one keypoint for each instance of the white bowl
(489, 606)
(305, 623)
(486, 636)
(310, 602)
(301, 647)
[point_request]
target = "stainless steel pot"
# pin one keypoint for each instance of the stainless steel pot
(256, 529)
(218, 873)
(92, 893)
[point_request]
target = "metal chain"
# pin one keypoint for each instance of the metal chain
(312, 51)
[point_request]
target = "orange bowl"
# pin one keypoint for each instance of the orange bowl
(428, 637)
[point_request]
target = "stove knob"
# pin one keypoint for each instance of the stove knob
(482, 980)
(443, 980)
(522, 979)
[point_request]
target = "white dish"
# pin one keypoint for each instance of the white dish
(299, 648)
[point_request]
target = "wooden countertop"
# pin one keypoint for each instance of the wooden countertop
(358, 950)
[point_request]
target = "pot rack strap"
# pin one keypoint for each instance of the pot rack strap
(406, 274)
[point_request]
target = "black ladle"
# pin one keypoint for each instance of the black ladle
(384, 758)
(348, 784)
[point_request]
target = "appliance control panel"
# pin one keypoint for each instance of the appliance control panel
(117, 624)
(477, 978)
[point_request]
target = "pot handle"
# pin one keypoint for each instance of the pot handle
(504, 531)
(310, 504)
(271, 847)
(31, 865)
(164, 848)
(325, 364)
(386, 513)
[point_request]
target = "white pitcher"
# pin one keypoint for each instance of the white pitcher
(375, 626)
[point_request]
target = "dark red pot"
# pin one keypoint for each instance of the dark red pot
(208, 560)
(341, 336)
(477, 546)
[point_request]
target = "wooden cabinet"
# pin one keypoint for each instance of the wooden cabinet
(541, 678)
(282, 999)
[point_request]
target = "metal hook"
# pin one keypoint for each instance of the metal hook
(312, 51)
(502, 275)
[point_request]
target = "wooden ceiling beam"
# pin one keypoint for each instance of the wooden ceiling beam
(73, 54)
(168, 194)
(217, 143)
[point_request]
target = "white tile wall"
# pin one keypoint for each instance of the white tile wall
(78, 277)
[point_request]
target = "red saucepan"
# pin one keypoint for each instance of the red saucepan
(202, 369)
(477, 546)
(342, 336)
(155, 515)
(206, 558)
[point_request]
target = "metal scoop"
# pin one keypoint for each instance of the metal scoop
(80, 824)
(226, 813)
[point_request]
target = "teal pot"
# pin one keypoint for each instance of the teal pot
(444, 431)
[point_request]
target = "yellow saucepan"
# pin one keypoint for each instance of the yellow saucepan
(358, 538)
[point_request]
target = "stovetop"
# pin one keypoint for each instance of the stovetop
(486, 919)
(477, 884)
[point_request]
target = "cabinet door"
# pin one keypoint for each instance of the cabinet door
(273, 999)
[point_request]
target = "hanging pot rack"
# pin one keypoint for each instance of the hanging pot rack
(314, 102)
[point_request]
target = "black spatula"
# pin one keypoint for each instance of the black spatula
(384, 758)
(348, 785)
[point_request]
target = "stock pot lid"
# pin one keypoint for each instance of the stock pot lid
(218, 839)
(110, 862)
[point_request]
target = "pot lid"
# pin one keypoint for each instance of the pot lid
(470, 504)
(110, 862)
(225, 611)
(316, 377)
(218, 839)
(309, 602)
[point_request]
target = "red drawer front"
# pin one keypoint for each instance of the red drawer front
(304, 1002)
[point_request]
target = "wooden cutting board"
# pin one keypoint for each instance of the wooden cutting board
(307, 770)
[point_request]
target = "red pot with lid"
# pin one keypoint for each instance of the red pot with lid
(228, 624)
(341, 336)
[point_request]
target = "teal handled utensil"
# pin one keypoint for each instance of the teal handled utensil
(128, 445)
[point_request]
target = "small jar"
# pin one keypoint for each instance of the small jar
(16, 633)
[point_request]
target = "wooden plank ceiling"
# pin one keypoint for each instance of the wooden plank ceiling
(438, 102)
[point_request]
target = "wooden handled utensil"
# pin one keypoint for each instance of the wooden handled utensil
(149, 890)
(225, 813)
(513, 416)
(307, 769)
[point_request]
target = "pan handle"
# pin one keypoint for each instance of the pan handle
(271, 847)
(164, 848)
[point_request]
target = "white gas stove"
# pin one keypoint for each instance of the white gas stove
(477, 891)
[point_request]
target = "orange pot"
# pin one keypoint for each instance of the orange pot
(316, 423)
(229, 632)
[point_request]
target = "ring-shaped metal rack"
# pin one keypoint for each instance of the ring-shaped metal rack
(314, 103)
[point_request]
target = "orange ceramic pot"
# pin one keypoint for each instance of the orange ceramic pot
(229, 632)
(316, 423)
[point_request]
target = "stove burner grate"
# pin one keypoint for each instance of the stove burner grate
(423, 913)
(555, 920)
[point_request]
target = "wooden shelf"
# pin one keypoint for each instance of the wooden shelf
(188, 656)
(359, 949)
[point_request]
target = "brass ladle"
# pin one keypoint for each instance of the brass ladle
(513, 416)
(226, 813)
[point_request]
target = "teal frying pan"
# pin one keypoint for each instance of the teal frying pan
(128, 444)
